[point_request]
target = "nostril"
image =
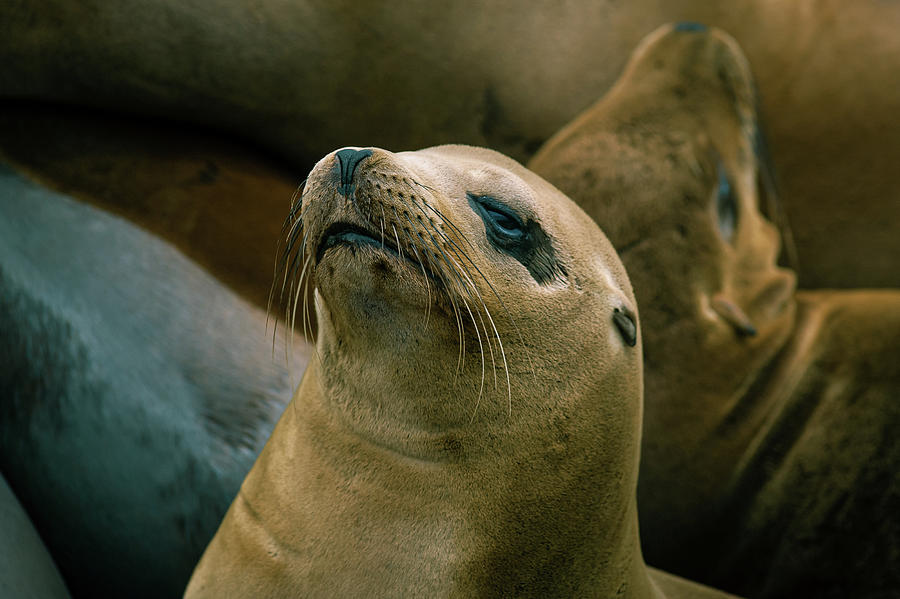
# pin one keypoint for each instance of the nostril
(349, 159)
(690, 27)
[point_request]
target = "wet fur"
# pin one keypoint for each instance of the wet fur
(26, 568)
(136, 392)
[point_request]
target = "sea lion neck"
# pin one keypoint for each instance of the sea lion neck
(566, 542)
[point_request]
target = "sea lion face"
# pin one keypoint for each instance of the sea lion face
(456, 290)
(669, 163)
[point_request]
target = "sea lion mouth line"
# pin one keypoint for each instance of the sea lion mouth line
(343, 233)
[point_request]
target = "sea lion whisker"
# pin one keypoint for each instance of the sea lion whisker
(423, 186)
(419, 234)
(291, 277)
(460, 361)
(281, 262)
(487, 311)
(505, 365)
(477, 296)
(288, 275)
(289, 347)
(459, 325)
(294, 216)
(461, 253)
(297, 202)
(502, 355)
(304, 281)
(440, 249)
(296, 225)
(496, 332)
(502, 303)
(446, 221)
(469, 289)
(508, 314)
(397, 238)
(426, 277)
(457, 268)
(480, 347)
(295, 290)
(450, 295)
(440, 214)
(298, 192)
(270, 298)
(383, 218)
(454, 269)
(306, 316)
(295, 261)
(421, 265)
(292, 237)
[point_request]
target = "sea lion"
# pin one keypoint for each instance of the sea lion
(303, 77)
(470, 426)
(769, 460)
(26, 569)
(220, 203)
(135, 392)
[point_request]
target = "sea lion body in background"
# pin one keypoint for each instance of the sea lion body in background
(470, 426)
(135, 392)
(219, 203)
(769, 457)
(301, 78)
(26, 569)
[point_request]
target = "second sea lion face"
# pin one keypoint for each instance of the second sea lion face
(670, 164)
(463, 288)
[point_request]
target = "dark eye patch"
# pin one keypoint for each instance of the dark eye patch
(726, 206)
(524, 240)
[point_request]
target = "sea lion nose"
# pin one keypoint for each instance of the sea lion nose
(691, 27)
(348, 159)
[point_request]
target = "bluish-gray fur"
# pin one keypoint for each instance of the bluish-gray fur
(135, 392)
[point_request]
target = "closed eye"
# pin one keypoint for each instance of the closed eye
(505, 223)
(726, 206)
(503, 226)
(524, 240)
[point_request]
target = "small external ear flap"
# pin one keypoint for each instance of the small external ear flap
(733, 315)
(624, 320)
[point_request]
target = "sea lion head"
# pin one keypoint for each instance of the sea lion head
(404, 465)
(456, 283)
(474, 319)
(672, 165)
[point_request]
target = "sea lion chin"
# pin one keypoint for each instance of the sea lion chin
(471, 424)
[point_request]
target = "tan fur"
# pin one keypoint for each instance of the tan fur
(768, 465)
(304, 77)
(392, 473)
